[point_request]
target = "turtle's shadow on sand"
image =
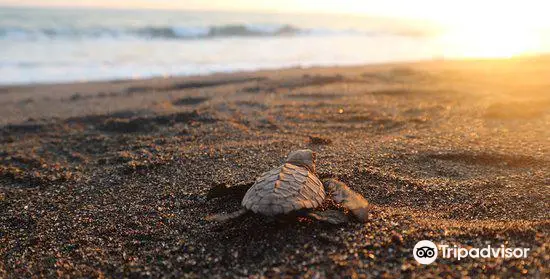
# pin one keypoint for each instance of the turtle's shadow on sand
(257, 239)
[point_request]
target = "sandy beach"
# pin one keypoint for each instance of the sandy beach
(110, 179)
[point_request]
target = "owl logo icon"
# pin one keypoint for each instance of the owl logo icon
(425, 252)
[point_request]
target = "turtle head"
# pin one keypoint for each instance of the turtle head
(304, 158)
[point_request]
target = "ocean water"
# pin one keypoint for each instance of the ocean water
(66, 45)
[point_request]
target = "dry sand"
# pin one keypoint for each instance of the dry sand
(111, 178)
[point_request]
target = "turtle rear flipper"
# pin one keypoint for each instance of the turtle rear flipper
(227, 216)
(331, 216)
(350, 199)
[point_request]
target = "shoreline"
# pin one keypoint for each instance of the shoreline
(543, 56)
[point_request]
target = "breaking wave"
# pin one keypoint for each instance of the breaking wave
(155, 32)
(175, 32)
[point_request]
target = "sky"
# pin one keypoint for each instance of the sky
(405, 8)
(522, 12)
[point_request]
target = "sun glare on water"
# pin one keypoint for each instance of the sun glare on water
(492, 33)
(489, 42)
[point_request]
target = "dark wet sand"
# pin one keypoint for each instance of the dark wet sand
(110, 179)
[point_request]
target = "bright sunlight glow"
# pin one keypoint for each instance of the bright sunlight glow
(495, 29)
(490, 42)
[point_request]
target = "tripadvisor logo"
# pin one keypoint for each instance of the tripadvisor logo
(426, 252)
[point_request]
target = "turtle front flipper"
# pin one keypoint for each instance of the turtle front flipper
(222, 190)
(331, 216)
(350, 199)
(222, 217)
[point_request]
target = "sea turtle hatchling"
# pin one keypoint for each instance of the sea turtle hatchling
(295, 187)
